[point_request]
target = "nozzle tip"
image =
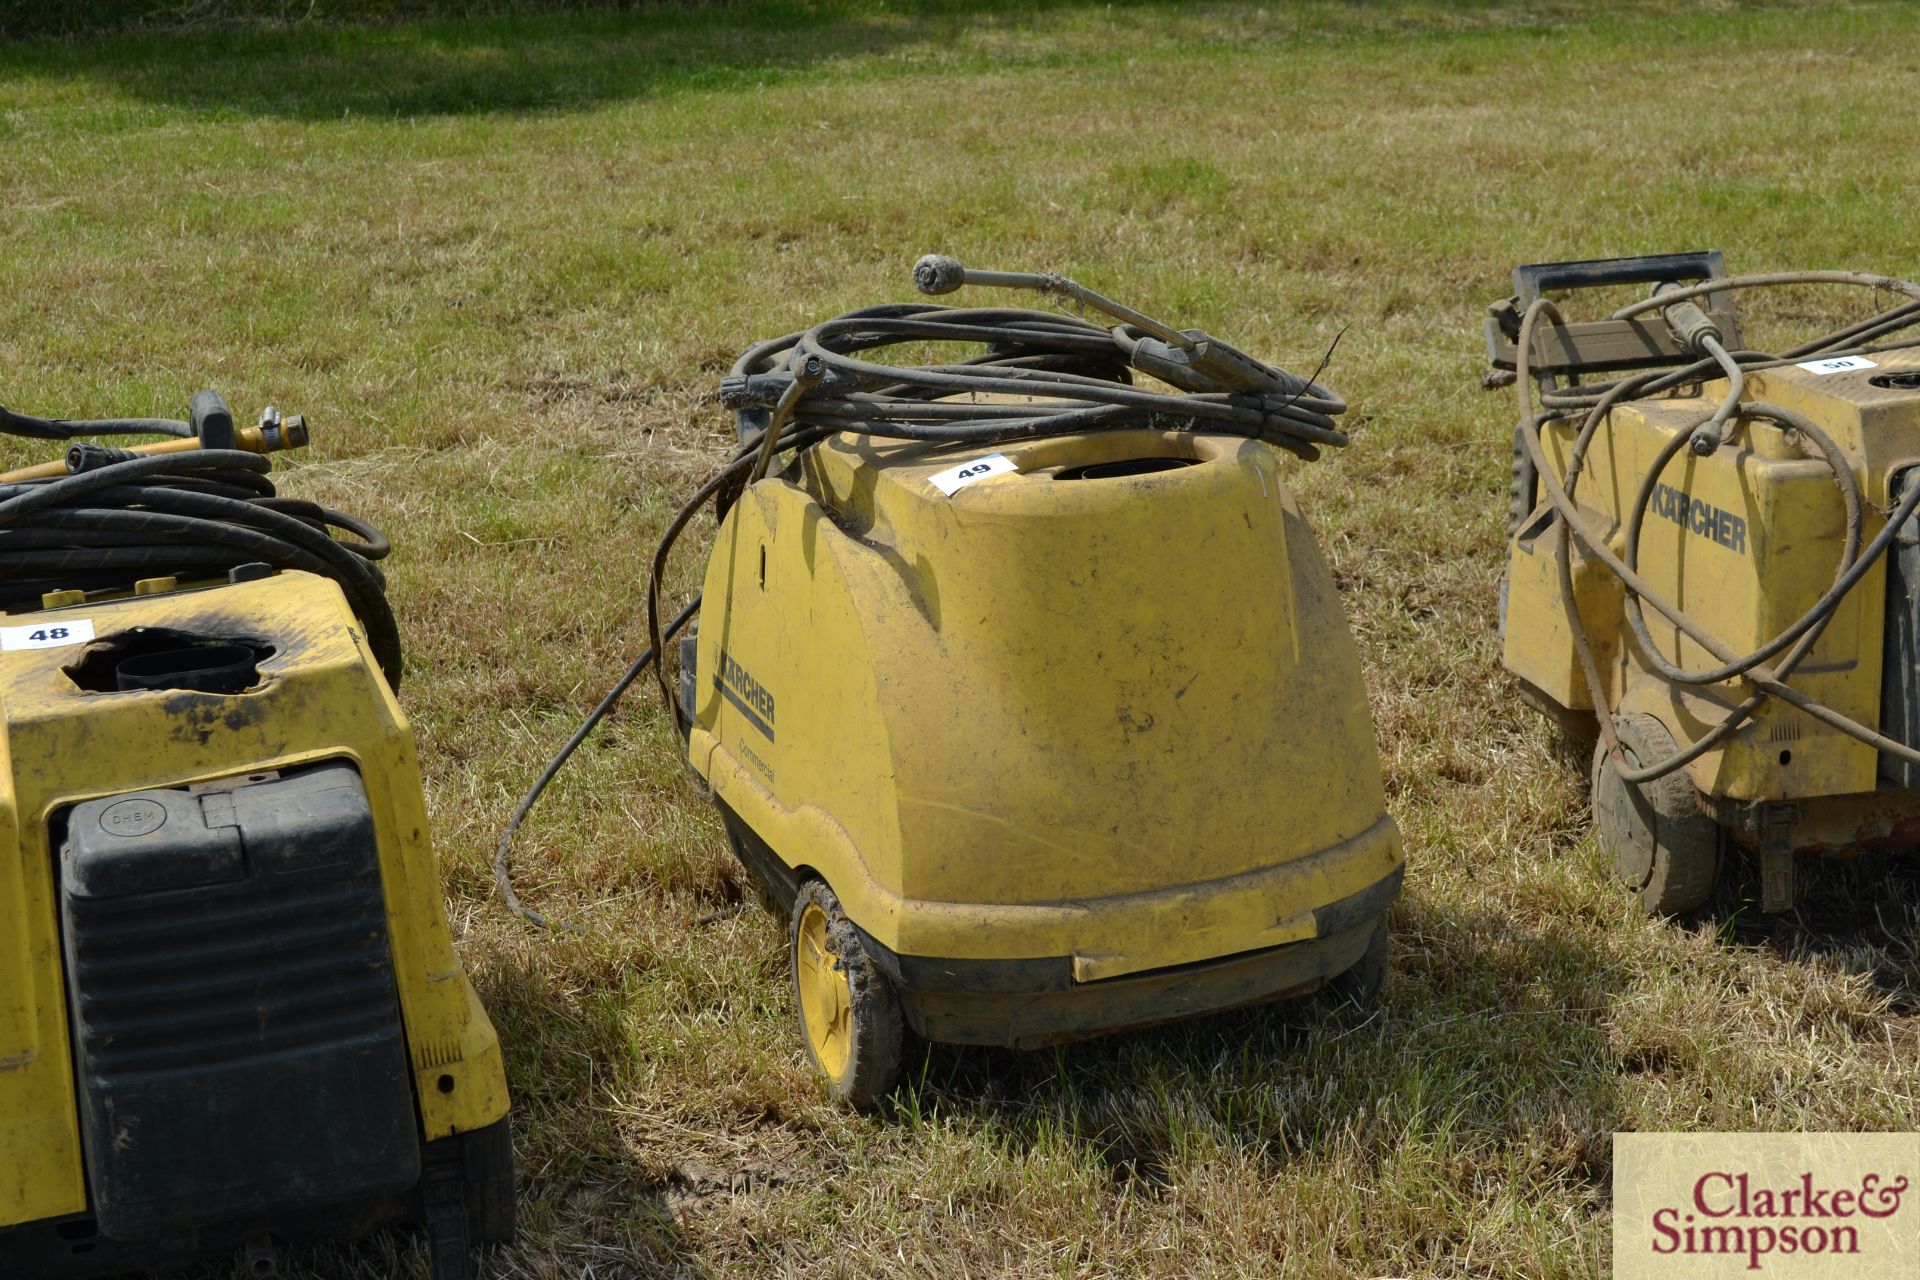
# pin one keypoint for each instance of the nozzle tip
(937, 273)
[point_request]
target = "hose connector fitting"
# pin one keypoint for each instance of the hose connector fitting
(1689, 323)
(87, 456)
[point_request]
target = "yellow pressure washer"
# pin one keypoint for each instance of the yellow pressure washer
(1714, 567)
(1020, 682)
(230, 1008)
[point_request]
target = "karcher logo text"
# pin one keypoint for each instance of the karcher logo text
(751, 698)
(1703, 518)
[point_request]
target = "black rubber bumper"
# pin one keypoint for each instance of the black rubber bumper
(73, 1248)
(1026, 1004)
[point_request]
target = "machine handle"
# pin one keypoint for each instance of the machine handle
(1612, 346)
(1532, 279)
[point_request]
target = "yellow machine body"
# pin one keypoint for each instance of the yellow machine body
(1745, 541)
(1081, 745)
(319, 699)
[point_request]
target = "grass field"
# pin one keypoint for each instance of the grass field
(501, 264)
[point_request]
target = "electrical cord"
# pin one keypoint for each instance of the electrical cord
(1042, 373)
(119, 516)
(1592, 404)
(502, 871)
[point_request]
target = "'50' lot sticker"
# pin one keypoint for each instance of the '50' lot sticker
(1837, 364)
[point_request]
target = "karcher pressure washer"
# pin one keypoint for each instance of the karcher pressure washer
(1021, 684)
(1693, 523)
(230, 1009)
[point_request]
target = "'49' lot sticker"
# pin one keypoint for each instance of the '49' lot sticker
(954, 479)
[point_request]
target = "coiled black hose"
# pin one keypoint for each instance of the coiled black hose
(1081, 374)
(193, 514)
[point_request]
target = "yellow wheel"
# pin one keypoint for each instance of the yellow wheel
(849, 1014)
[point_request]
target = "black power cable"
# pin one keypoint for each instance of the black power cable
(1044, 373)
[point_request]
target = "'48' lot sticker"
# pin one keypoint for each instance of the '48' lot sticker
(47, 635)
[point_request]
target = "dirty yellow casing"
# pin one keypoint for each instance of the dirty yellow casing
(1744, 541)
(321, 697)
(1101, 704)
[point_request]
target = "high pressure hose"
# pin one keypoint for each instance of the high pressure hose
(195, 507)
(1019, 375)
(1592, 404)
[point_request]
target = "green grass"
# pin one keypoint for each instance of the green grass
(501, 263)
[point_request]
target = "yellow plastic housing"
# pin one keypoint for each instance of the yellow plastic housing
(1745, 541)
(321, 697)
(1115, 717)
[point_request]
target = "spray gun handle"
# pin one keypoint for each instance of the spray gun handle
(1188, 359)
(939, 273)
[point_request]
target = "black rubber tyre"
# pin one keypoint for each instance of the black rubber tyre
(466, 1197)
(1661, 844)
(491, 1214)
(1361, 984)
(849, 1013)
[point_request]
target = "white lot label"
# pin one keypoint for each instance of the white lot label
(1838, 364)
(47, 635)
(956, 478)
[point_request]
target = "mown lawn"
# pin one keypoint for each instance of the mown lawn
(501, 264)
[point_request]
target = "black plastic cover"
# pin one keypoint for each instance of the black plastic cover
(149, 842)
(237, 1034)
(1900, 655)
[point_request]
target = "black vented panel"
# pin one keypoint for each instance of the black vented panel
(237, 1033)
(186, 980)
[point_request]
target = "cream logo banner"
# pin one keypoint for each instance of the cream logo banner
(1781, 1205)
